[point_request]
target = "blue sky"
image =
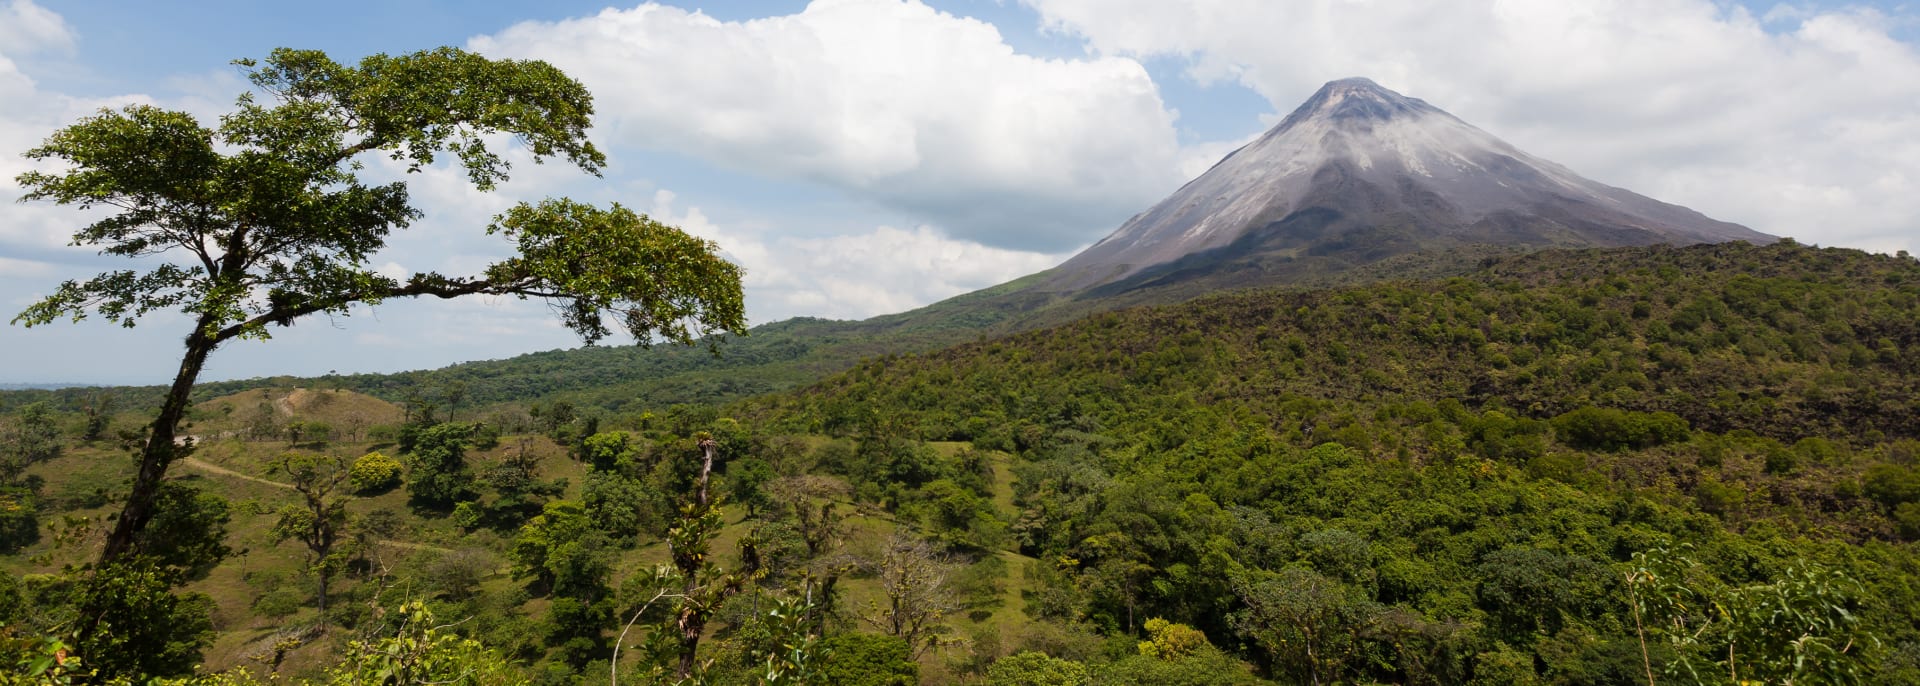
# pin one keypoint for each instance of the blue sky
(859, 157)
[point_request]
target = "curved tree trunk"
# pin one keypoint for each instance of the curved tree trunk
(160, 450)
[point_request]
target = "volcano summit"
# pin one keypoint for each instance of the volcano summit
(1358, 174)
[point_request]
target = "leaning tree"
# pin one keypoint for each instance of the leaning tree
(265, 219)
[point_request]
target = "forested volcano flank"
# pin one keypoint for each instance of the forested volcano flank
(1359, 173)
(1421, 482)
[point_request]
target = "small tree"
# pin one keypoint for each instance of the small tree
(917, 597)
(263, 422)
(99, 412)
(696, 583)
(32, 436)
(1169, 641)
(306, 431)
(1308, 624)
(438, 475)
(320, 520)
(565, 555)
(268, 221)
(515, 479)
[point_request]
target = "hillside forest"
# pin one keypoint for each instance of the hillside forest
(1693, 465)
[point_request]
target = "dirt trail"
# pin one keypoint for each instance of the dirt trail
(408, 545)
(223, 471)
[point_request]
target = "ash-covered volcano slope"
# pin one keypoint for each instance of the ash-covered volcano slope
(1359, 174)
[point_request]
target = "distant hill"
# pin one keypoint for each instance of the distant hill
(45, 386)
(261, 409)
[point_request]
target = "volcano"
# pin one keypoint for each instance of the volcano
(1358, 174)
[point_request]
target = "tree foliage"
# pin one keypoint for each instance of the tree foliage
(190, 530)
(916, 593)
(1036, 669)
(374, 473)
(1440, 482)
(437, 472)
(265, 219)
(319, 521)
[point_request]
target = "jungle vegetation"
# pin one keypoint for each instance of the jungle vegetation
(1658, 464)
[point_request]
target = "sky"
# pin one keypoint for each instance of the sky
(862, 157)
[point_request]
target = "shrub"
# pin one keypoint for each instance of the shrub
(1906, 518)
(868, 660)
(1036, 669)
(374, 473)
(1169, 641)
(468, 515)
(1598, 428)
(1892, 484)
(278, 603)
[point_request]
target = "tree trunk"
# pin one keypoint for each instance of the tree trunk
(160, 450)
(323, 595)
(692, 621)
(827, 597)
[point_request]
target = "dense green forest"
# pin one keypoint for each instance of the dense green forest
(1659, 464)
(1432, 480)
(773, 357)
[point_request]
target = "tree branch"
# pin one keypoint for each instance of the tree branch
(451, 288)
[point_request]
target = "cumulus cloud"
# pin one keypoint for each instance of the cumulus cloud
(1802, 123)
(27, 114)
(27, 28)
(853, 275)
(893, 102)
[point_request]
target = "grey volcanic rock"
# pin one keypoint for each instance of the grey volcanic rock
(1360, 173)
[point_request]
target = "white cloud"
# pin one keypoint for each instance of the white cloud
(891, 101)
(854, 275)
(26, 268)
(27, 28)
(1806, 123)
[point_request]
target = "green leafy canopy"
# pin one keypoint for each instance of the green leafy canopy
(272, 222)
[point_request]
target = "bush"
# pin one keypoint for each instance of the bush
(1169, 641)
(1892, 484)
(1599, 428)
(1207, 667)
(868, 660)
(374, 473)
(1906, 518)
(1036, 669)
(278, 603)
(468, 515)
